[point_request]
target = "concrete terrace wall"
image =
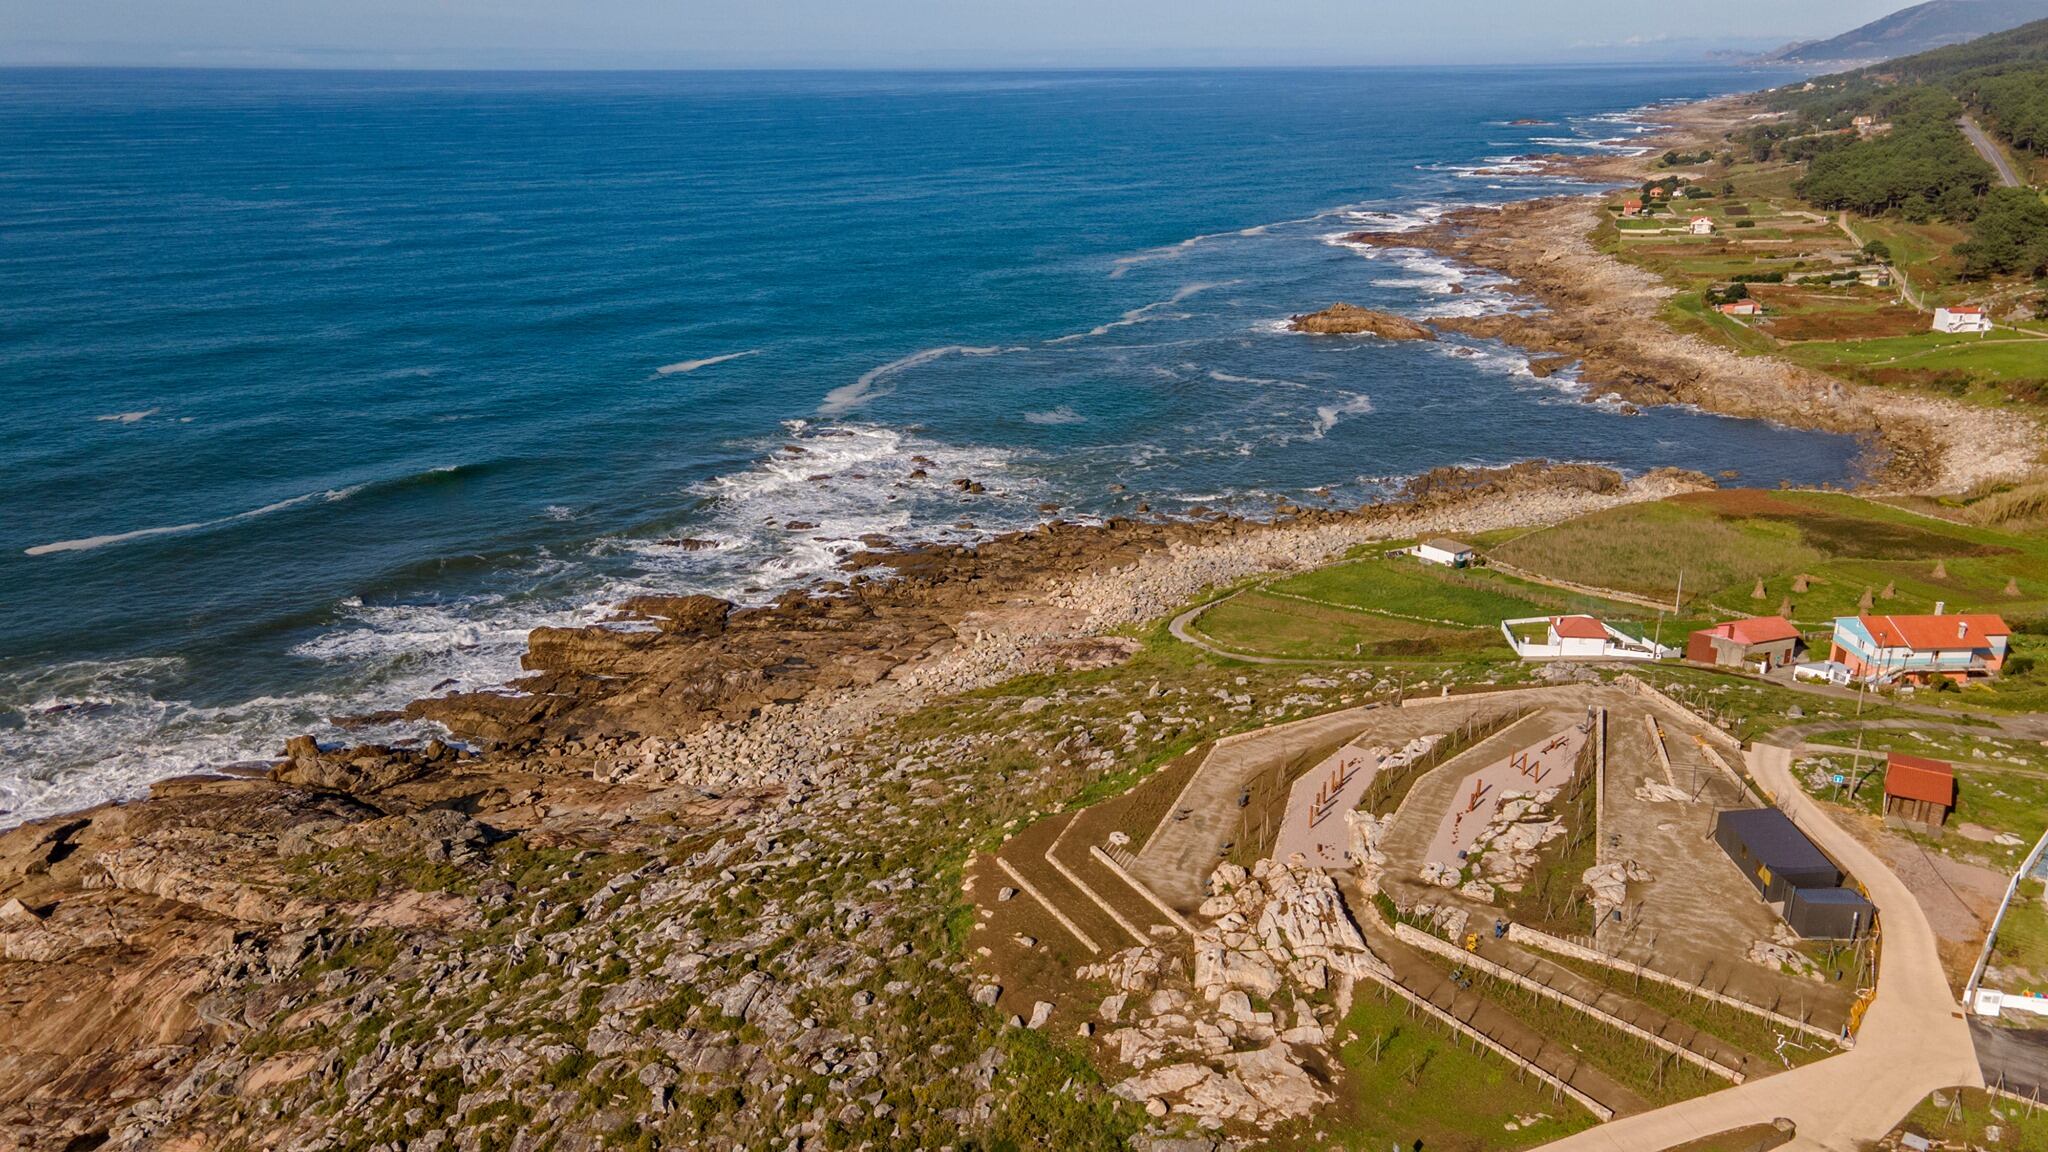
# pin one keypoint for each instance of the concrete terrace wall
(1416, 938)
(1543, 941)
(1477, 1037)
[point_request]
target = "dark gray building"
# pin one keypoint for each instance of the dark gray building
(1772, 851)
(1828, 913)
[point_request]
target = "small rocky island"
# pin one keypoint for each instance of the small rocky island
(1350, 320)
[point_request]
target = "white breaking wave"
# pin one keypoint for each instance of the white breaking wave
(1063, 414)
(849, 396)
(1328, 415)
(821, 494)
(88, 543)
(1222, 377)
(1147, 312)
(1123, 264)
(128, 417)
(682, 366)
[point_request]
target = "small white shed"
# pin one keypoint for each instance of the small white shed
(1449, 553)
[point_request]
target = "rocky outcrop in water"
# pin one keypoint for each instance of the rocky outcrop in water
(1350, 320)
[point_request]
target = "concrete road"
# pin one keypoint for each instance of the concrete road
(1913, 1040)
(1991, 152)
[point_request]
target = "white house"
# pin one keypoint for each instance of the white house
(1449, 553)
(1580, 638)
(1701, 226)
(1962, 320)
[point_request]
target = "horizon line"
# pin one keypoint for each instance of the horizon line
(1705, 62)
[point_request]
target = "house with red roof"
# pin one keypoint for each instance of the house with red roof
(1740, 308)
(1578, 635)
(1921, 649)
(1632, 208)
(1760, 642)
(1918, 789)
(1701, 226)
(1577, 638)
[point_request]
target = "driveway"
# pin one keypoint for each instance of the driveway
(1913, 1041)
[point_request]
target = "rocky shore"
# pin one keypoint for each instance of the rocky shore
(693, 880)
(691, 862)
(1607, 318)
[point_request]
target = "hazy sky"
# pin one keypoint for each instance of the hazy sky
(895, 33)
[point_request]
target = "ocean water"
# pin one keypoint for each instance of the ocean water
(321, 389)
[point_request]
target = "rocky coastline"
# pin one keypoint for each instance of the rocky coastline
(695, 868)
(1606, 318)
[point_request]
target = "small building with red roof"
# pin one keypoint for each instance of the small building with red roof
(1920, 649)
(1632, 208)
(1962, 321)
(1578, 635)
(1918, 789)
(1760, 642)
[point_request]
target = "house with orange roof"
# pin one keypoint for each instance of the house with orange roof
(1760, 642)
(1920, 649)
(1962, 321)
(1918, 789)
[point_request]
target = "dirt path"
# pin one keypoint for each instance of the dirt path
(1182, 629)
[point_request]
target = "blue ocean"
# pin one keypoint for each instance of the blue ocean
(323, 388)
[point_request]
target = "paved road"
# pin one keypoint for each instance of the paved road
(1913, 1040)
(1990, 151)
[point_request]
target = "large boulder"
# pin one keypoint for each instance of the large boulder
(697, 616)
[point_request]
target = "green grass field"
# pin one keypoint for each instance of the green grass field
(1966, 1123)
(2007, 802)
(1406, 1078)
(2023, 935)
(1870, 336)
(1382, 608)
(1726, 541)
(2003, 356)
